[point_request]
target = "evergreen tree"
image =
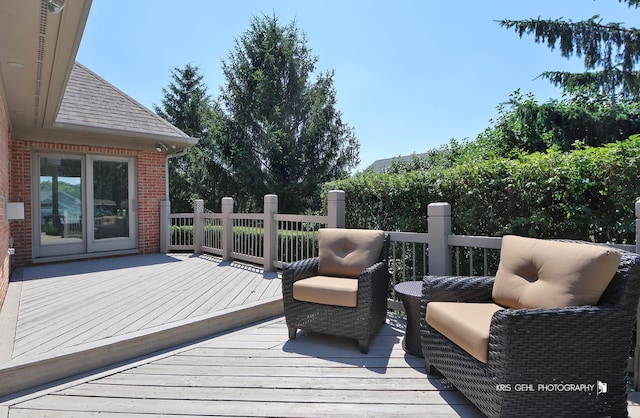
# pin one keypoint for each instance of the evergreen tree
(277, 131)
(610, 51)
(184, 105)
(198, 174)
(186, 102)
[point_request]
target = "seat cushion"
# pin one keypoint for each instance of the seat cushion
(465, 324)
(346, 252)
(535, 273)
(327, 291)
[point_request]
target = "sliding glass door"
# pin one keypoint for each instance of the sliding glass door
(60, 228)
(112, 203)
(85, 204)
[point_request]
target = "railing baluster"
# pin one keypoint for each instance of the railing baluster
(413, 255)
(299, 235)
(395, 263)
(282, 238)
(289, 246)
(404, 265)
(425, 257)
(486, 263)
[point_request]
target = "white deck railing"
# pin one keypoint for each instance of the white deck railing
(272, 239)
(268, 238)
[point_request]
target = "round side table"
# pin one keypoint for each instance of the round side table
(410, 294)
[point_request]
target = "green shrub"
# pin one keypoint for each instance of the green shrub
(182, 235)
(588, 193)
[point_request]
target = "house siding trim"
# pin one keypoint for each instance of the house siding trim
(5, 226)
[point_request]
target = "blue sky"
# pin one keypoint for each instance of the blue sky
(409, 74)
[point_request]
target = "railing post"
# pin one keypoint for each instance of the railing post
(198, 225)
(270, 232)
(336, 209)
(165, 226)
(439, 224)
(227, 228)
(65, 226)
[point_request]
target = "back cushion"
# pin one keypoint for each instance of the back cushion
(536, 273)
(346, 252)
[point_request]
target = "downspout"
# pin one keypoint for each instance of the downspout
(166, 169)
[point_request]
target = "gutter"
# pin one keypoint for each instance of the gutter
(185, 141)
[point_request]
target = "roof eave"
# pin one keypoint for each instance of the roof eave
(173, 143)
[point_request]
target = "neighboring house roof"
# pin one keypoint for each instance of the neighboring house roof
(90, 101)
(379, 166)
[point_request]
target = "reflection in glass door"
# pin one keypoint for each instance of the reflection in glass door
(86, 205)
(111, 191)
(60, 206)
(110, 200)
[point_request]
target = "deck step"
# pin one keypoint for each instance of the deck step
(20, 376)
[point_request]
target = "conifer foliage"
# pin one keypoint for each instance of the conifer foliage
(272, 129)
(279, 131)
(610, 51)
(198, 174)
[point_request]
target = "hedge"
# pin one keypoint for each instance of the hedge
(588, 194)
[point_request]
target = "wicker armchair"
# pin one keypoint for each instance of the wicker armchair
(318, 313)
(542, 362)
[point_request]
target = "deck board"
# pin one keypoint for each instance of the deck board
(253, 371)
(62, 306)
(258, 371)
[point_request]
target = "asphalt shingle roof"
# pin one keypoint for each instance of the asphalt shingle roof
(91, 101)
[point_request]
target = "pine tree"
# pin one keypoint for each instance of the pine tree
(278, 131)
(610, 51)
(198, 174)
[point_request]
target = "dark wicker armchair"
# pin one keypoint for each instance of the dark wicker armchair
(540, 362)
(325, 306)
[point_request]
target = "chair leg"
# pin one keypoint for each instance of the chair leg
(292, 333)
(430, 368)
(364, 346)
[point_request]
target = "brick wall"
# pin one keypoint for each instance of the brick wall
(150, 187)
(151, 190)
(5, 232)
(20, 191)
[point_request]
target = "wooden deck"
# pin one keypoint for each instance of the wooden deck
(117, 307)
(66, 305)
(65, 319)
(257, 371)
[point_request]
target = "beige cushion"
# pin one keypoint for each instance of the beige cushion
(346, 252)
(536, 273)
(466, 324)
(327, 290)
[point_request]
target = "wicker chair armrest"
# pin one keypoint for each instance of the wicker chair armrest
(595, 334)
(457, 288)
(292, 272)
(373, 275)
(373, 285)
(553, 320)
(302, 269)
